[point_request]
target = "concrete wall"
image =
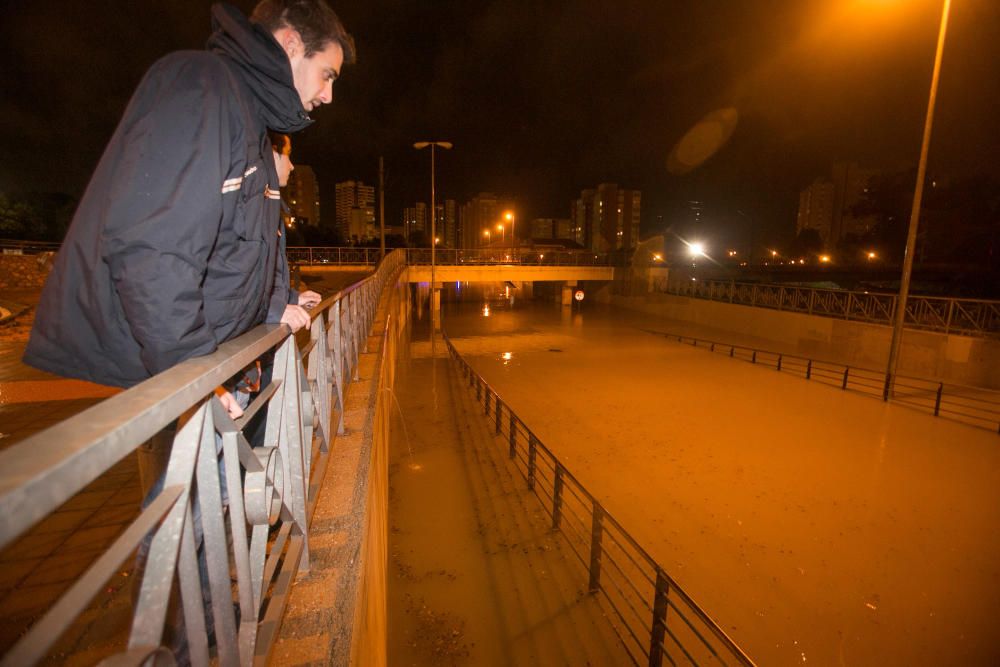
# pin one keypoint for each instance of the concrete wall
(957, 359)
(25, 271)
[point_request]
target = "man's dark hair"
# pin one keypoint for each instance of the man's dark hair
(312, 19)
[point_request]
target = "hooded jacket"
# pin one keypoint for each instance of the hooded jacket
(174, 247)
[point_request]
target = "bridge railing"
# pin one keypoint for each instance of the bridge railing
(12, 246)
(943, 314)
(450, 256)
(261, 533)
(976, 406)
(657, 622)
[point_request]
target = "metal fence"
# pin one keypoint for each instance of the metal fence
(943, 314)
(15, 247)
(261, 534)
(976, 406)
(450, 256)
(655, 619)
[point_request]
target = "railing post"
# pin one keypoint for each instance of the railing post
(951, 310)
(809, 369)
(596, 533)
(486, 402)
(557, 486)
(532, 452)
(937, 400)
(779, 363)
(732, 350)
(497, 409)
(753, 359)
(812, 300)
(513, 433)
(712, 348)
(479, 392)
(659, 629)
(847, 369)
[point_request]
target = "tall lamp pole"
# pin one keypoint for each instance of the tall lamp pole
(447, 146)
(911, 235)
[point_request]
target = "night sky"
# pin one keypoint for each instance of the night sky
(544, 98)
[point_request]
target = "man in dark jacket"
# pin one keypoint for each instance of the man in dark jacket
(174, 247)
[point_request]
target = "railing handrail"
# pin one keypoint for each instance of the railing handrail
(674, 587)
(900, 379)
(930, 313)
(45, 470)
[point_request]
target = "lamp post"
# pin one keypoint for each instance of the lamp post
(911, 235)
(447, 146)
(509, 217)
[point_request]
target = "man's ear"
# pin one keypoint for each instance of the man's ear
(290, 41)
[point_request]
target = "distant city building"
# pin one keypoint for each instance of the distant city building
(816, 209)
(355, 214)
(448, 223)
(545, 229)
(606, 218)
(414, 219)
(302, 195)
(827, 204)
(477, 219)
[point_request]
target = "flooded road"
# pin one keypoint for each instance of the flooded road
(815, 525)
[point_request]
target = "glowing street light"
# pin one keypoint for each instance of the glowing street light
(825, 259)
(871, 256)
(696, 249)
(509, 217)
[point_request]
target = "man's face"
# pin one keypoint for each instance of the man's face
(314, 76)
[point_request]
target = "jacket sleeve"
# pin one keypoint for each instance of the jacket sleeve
(166, 206)
(282, 294)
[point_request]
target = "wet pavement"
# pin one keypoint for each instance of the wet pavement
(815, 525)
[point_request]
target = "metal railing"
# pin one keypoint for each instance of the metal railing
(653, 617)
(263, 531)
(521, 256)
(449, 256)
(12, 246)
(976, 406)
(943, 314)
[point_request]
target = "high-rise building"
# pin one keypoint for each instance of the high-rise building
(448, 223)
(545, 229)
(816, 209)
(355, 195)
(827, 205)
(607, 218)
(476, 221)
(415, 219)
(302, 195)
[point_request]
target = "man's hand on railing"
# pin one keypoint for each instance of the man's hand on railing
(309, 298)
(295, 317)
(229, 403)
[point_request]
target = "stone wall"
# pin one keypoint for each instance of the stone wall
(25, 271)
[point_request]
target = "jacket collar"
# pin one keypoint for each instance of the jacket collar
(263, 66)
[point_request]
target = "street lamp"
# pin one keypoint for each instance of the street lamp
(911, 235)
(447, 146)
(509, 217)
(503, 234)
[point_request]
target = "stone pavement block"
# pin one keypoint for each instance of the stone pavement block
(33, 545)
(87, 539)
(61, 521)
(63, 567)
(12, 572)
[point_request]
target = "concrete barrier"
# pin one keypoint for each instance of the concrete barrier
(951, 358)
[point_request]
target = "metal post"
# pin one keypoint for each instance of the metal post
(809, 369)
(918, 193)
(557, 497)
(596, 533)
(847, 370)
(513, 433)
(753, 359)
(532, 452)
(659, 629)
(486, 403)
(937, 400)
(498, 410)
(779, 362)
(381, 206)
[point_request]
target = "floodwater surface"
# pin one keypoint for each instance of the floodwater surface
(815, 525)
